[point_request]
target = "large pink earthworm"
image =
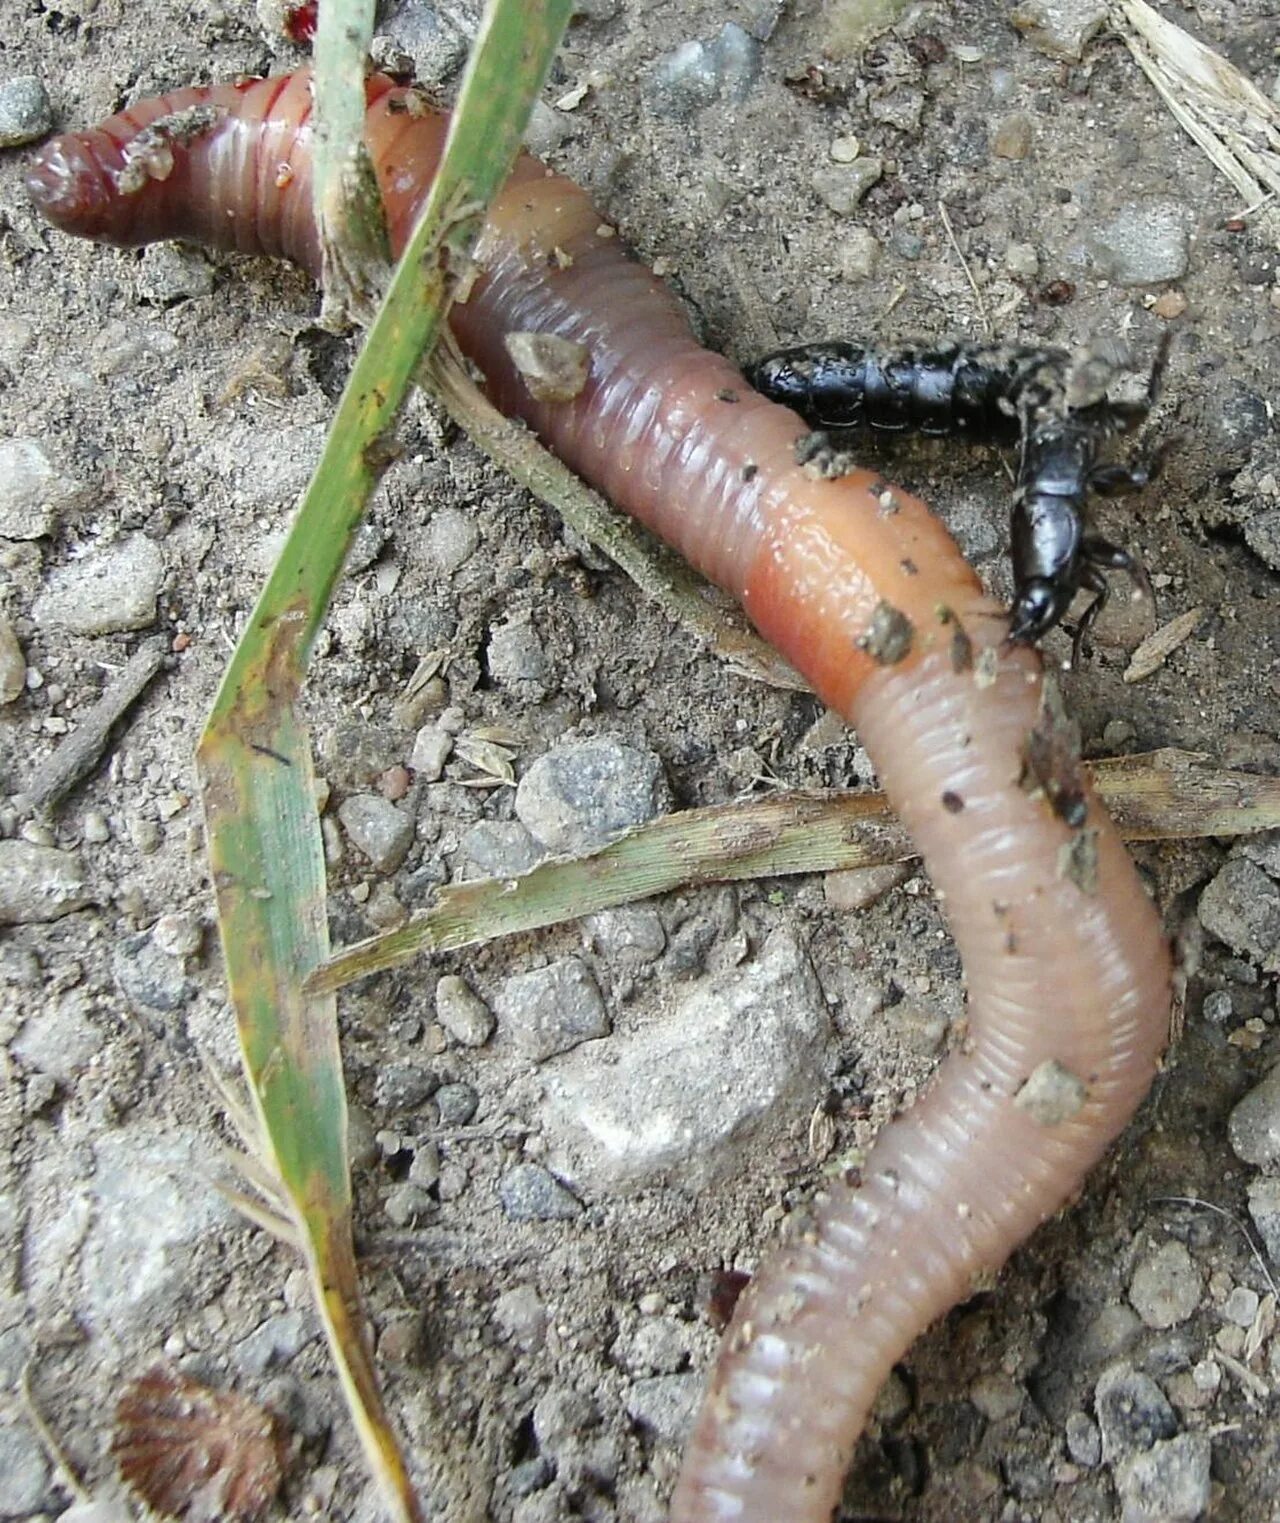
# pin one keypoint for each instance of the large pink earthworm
(863, 590)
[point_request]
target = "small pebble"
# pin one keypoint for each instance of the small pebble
(1166, 1286)
(631, 936)
(148, 977)
(33, 492)
(1253, 1127)
(456, 1103)
(858, 254)
(516, 653)
(168, 273)
(665, 1404)
(1218, 1006)
(431, 750)
(520, 1314)
(1169, 1484)
(857, 888)
(1084, 1441)
(842, 186)
(424, 1171)
(1060, 28)
(25, 1470)
(529, 1193)
(462, 1013)
(695, 74)
(407, 1204)
(1022, 260)
(1144, 243)
(1241, 906)
(112, 588)
(404, 1086)
(1241, 1306)
(178, 934)
(997, 1396)
(95, 827)
(583, 793)
(1012, 137)
(551, 1010)
(39, 883)
(25, 113)
(500, 849)
(274, 1342)
(1264, 1208)
(377, 828)
(13, 664)
(1132, 1411)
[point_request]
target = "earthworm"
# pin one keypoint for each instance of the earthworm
(864, 591)
(995, 393)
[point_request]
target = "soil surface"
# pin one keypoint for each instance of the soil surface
(541, 1351)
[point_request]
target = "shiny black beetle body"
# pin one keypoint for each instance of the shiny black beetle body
(1051, 403)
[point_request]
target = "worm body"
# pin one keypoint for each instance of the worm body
(864, 591)
(994, 394)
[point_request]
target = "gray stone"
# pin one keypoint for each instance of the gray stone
(550, 1010)
(450, 540)
(404, 1086)
(530, 1193)
(58, 1039)
(169, 273)
(39, 883)
(178, 934)
(658, 1346)
(148, 977)
(665, 1404)
(33, 492)
(1169, 1484)
(462, 1013)
(1060, 28)
(680, 1096)
(25, 1472)
(1132, 1412)
(1241, 1306)
(432, 747)
(456, 1103)
(1262, 535)
(1263, 849)
(13, 664)
(631, 936)
(377, 828)
(407, 1204)
(1241, 906)
(1254, 1124)
(858, 254)
(1144, 243)
(274, 1342)
(515, 652)
(842, 186)
(113, 588)
(546, 130)
(695, 74)
(97, 1512)
(501, 849)
(154, 1208)
(1166, 1285)
(1264, 1208)
(25, 113)
(583, 793)
(522, 1316)
(1084, 1442)
(562, 1417)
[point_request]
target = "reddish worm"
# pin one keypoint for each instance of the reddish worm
(864, 591)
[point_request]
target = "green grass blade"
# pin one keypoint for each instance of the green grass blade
(254, 757)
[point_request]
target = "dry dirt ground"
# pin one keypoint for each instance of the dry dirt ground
(525, 1360)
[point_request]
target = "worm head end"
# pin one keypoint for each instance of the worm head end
(69, 188)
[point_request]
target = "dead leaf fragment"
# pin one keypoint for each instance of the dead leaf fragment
(1156, 649)
(194, 1453)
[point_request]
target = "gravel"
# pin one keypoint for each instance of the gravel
(25, 112)
(111, 589)
(678, 1099)
(34, 493)
(551, 1010)
(530, 1193)
(1254, 1124)
(582, 794)
(379, 830)
(1169, 1484)
(39, 883)
(1166, 1286)
(1241, 906)
(1132, 1412)
(462, 1013)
